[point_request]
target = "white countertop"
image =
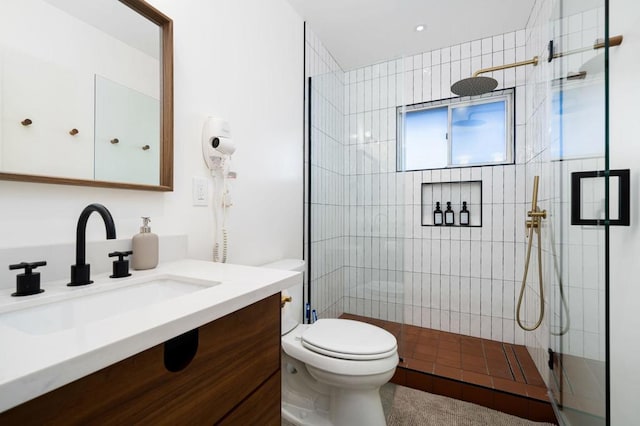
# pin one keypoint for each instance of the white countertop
(34, 364)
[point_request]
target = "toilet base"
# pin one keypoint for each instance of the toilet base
(350, 408)
(356, 407)
(305, 401)
(304, 416)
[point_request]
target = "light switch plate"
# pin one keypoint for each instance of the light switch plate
(200, 191)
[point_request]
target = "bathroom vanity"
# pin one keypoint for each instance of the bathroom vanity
(225, 363)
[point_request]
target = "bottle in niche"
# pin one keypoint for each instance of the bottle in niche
(437, 215)
(464, 215)
(449, 215)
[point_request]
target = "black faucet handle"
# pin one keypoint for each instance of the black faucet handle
(120, 266)
(28, 266)
(29, 282)
(121, 254)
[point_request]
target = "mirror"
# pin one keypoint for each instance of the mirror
(86, 93)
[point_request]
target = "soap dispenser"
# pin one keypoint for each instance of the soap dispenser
(437, 215)
(464, 215)
(145, 247)
(449, 217)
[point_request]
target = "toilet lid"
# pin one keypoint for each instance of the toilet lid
(347, 339)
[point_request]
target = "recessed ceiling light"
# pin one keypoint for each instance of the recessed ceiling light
(420, 28)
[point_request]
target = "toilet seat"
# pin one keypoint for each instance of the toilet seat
(292, 346)
(349, 340)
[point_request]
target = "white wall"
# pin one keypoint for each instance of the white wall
(625, 241)
(242, 61)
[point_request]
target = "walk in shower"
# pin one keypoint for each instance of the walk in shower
(374, 250)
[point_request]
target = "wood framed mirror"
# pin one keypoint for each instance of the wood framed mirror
(86, 93)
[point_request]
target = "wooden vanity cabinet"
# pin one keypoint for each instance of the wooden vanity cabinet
(233, 379)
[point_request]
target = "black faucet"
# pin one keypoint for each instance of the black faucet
(80, 272)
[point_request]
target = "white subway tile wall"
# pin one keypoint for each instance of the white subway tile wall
(452, 279)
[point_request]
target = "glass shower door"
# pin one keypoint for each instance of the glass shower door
(355, 234)
(375, 211)
(577, 272)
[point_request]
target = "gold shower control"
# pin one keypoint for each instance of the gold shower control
(284, 300)
(536, 214)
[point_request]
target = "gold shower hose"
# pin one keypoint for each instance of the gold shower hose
(533, 224)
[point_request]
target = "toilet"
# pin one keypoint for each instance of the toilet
(332, 370)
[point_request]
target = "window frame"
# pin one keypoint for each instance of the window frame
(508, 95)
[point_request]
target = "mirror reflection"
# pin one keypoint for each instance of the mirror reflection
(80, 91)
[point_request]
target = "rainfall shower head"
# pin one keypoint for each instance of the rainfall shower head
(476, 85)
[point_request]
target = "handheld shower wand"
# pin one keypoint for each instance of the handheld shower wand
(533, 224)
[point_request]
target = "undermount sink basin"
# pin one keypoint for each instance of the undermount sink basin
(81, 309)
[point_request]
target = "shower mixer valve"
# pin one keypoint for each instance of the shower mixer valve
(535, 216)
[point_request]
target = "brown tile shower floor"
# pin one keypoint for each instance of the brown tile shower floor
(497, 375)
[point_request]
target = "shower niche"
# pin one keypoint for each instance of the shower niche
(457, 197)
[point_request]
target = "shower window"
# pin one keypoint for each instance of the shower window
(455, 133)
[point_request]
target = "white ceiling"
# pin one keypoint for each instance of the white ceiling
(363, 32)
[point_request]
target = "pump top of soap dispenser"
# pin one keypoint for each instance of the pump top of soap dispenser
(145, 225)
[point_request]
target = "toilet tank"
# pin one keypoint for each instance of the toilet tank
(291, 313)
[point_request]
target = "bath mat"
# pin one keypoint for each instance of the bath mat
(409, 407)
(412, 407)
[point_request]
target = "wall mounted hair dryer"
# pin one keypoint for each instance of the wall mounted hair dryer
(217, 147)
(216, 143)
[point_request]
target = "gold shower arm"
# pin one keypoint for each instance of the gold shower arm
(533, 61)
(598, 44)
